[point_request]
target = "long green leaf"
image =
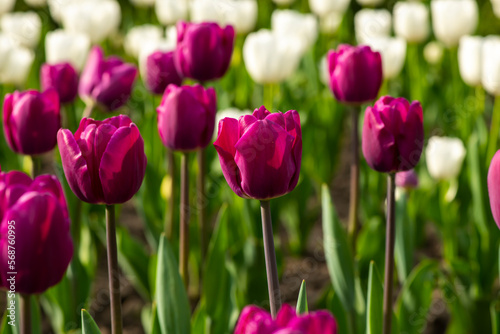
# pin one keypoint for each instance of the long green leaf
(302, 300)
(172, 300)
(375, 298)
(88, 324)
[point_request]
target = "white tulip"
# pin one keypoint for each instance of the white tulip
(22, 27)
(230, 113)
(36, 3)
(56, 8)
(411, 21)
(208, 10)
(143, 3)
(324, 74)
(291, 24)
(6, 6)
(433, 52)
(393, 52)
(452, 19)
(369, 23)
(65, 46)
(15, 62)
(325, 7)
(491, 65)
(369, 3)
(283, 2)
(138, 36)
(330, 23)
(469, 59)
(270, 58)
(444, 157)
(171, 11)
(496, 7)
(241, 14)
(97, 19)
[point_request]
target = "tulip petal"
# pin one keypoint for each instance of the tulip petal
(7, 111)
(115, 86)
(254, 320)
(50, 184)
(292, 126)
(493, 187)
(410, 140)
(315, 322)
(87, 144)
(285, 315)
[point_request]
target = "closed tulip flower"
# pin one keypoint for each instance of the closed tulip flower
(493, 189)
(260, 154)
(171, 11)
(393, 52)
(186, 117)
(56, 7)
(36, 3)
(203, 50)
(469, 59)
(452, 19)
(22, 27)
(159, 71)
(411, 21)
(139, 36)
(444, 157)
(330, 23)
(15, 62)
(355, 73)
(393, 134)
(491, 65)
(253, 320)
(369, 23)
(433, 52)
(407, 179)
(107, 82)
(31, 121)
(6, 6)
(65, 46)
(62, 78)
(104, 161)
(36, 210)
(295, 25)
(325, 7)
(143, 3)
(269, 58)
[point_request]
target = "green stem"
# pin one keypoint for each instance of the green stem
(184, 220)
(495, 123)
(354, 185)
(113, 273)
(25, 306)
(270, 256)
(268, 96)
(36, 166)
(169, 216)
(415, 79)
(87, 112)
(201, 202)
(389, 254)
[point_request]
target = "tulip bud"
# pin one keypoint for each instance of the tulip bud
(330, 23)
(433, 52)
(186, 117)
(355, 73)
(491, 65)
(22, 27)
(370, 23)
(31, 121)
(15, 62)
(407, 179)
(106, 81)
(393, 134)
(62, 78)
(291, 24)
(160, 71)
(260, 154)
(56, 7)
(171, 11)
(143, 3)
(104, 161)
(452, 19)
(393, 52)
(496, 7)
(139, 36)
(6, 6)
(36, 210)
(36, 3)
(269, 58)
(493, 189)
(469, 59)
(411, 21)
(325, 7)
(253, 319)
(203, 61)
(444, 157)
(64, 46)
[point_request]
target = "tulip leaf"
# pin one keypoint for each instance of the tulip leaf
(375, 298)
(404, 248)
(302, 300)
(88, 324)
(171, 297)
(495, 317)
(338, 255)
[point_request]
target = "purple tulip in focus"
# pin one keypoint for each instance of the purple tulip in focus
(34, 220)
(104, 161)
(63, 78)
(260, 154)
(186, 117)
(254, 320)
(107, 82)
(355, 73)
(161, 72)
(203, 50)
(31, 120)
(393, 134)
(493, 187)
(407, 179)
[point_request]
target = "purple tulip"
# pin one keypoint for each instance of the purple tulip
(36, 224)
(393, 134)
(104, 162)
(355, 73)
(63, 78)
(186, 117)
(254, 320)
(203, 50)
(493, 187)
(161, 72)
(260, 154)
(408, 179)
(107, 82)
(31, 120)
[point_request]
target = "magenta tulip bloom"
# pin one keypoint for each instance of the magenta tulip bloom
(254, 320)
(31, 120)
(393, 134)
(107, 82)
(355, 73)
(186, 117)
(260, 154)
(408, 179)
(493, 187)
(61, 77)
(203, 50)
(161, 72)
(104, 162)
(35, 223)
